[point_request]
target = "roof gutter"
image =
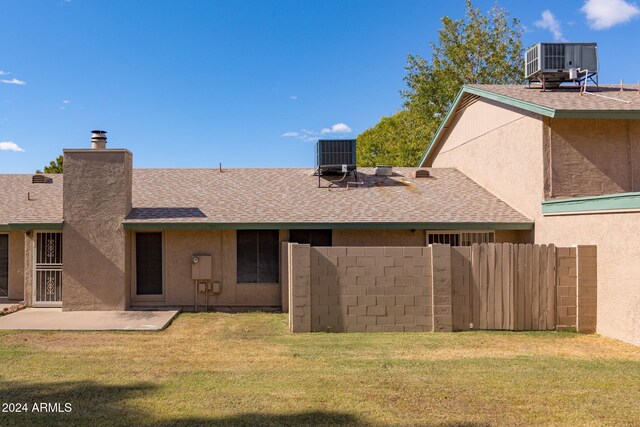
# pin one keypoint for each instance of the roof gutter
(31, 226)
(330, 226)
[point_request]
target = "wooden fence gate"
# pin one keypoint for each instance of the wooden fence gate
(504, 286)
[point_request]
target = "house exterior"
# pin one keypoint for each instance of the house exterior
(106, 236)
(568, 161)
(509, 164)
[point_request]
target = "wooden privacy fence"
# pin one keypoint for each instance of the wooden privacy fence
(504, 286)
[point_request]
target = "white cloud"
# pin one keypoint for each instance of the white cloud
(310, 135)
(10, 146)
(549, 22)
(293, 98)
(603, 14)
(13, 81)
(4, 73)
(66, 101)
(337, 128)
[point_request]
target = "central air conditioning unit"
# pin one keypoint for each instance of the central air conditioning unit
(555, 63)
(335, 156)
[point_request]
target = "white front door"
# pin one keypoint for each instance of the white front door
(47, 280)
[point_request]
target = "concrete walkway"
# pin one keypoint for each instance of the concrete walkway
(54, 319)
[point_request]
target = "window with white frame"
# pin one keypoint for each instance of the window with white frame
(460, 238)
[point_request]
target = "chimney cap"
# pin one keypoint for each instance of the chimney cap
(98, 139)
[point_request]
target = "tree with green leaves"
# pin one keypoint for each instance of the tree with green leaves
(55, 166)
(478, 49)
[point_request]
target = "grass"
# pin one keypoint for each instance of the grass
(247, 369)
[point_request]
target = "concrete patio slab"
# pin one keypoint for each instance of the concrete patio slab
(54, 319)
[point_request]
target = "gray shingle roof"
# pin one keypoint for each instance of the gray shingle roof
(292, 196)
(250, 196)
(24, 202)
(570, 99)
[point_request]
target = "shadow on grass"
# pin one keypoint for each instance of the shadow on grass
(99, 404)
(90, 403)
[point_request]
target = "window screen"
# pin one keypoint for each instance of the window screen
(149, 263)
(4, 265)
(311, 237)
(258, 256)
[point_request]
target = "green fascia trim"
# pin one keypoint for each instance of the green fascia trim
(598, 114)
(31, 226)
(621, 201)
(529, 106)
(331, 226)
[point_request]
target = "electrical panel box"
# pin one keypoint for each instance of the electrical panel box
(201, 267)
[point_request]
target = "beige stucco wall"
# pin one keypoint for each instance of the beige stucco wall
(510, 162)
(616, 236)
(379, 238)
(514, 236)
(179, 290)
(16, 265)
(96, 197)
(484, 141)
(590, 157)
(28, 244)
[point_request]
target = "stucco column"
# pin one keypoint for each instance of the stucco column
(441, 293)
(96, 198)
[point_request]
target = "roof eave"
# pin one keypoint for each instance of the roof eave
(598, 114)
(18, 226)
(526, 225)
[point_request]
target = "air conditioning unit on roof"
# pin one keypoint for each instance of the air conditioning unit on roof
(554, 63)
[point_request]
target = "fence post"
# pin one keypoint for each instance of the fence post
(441, 292)
(299, 287)
(284, 276)
(587, 291)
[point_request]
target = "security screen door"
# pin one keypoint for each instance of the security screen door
(48, 270)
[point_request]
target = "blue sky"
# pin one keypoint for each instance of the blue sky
(195, 83)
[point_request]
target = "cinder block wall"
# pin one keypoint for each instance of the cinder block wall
(566, 283)
(364, 289)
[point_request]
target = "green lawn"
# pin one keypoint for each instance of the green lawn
(247, 369)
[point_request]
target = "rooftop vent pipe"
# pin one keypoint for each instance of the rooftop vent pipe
(421, 173)
(383, 170)
(98, 140)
